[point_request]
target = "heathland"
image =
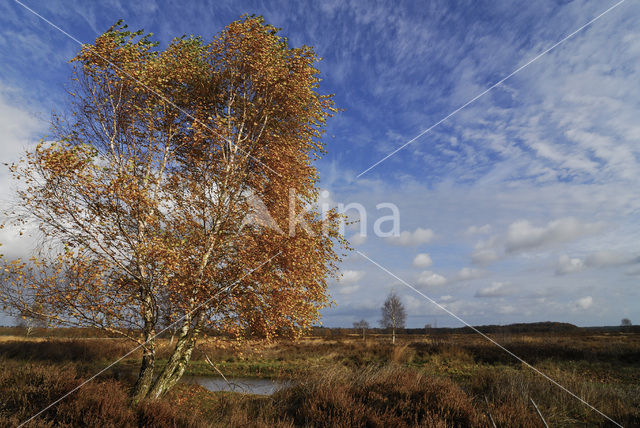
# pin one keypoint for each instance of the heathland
(434, 378)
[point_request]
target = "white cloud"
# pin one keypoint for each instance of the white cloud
(568, 265)
(422, 260)
(349, 289)
(584, 303)
(428, 278)
(466, 274)
(496, 289)
(600, 259)
(351, 276)
(523, 236)
(413, 304)
(417, 237)
(357, 239)
(507, 309)
(478, 230)
(609, 258)
(634, 271)
(485, 252)
(18, 128)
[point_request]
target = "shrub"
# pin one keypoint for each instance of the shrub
(28, 388)
(390, 396)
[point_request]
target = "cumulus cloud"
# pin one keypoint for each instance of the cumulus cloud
(600, 259)
(417, 237)
(567, 265)
(610, 258)
(19, 128)
(634, 271)
(485, 252)
(357, 239)
(507, 309)
(351, 276)
(583, 303)
(428, 278)
(523, 236)
(413, 304)
(422, 260)
(349, 289)
(466, 274)
(496, 289)
(478, 230)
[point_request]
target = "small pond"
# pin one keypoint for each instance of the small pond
(244, 385)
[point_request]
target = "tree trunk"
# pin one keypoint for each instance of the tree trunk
(145, 377)
(178, 361)
(175, 367)
(393, 340)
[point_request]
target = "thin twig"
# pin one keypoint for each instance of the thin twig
(218, 370)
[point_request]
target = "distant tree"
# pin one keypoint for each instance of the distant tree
(393, 314)
(361, 325)
(626, 322)
(30, 317)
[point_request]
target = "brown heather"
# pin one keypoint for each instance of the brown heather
(444, 380)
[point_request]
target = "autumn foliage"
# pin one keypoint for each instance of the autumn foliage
(151, 196)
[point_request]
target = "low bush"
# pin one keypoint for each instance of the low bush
(29, 388)
(390, 396)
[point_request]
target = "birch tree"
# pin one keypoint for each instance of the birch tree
(361, 325)
(393, 314)
(141, 194)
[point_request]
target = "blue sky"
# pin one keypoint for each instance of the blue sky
(523, 206)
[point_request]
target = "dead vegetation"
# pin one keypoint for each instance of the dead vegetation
(455, 380)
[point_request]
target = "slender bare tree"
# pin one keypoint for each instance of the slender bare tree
(361, 325)
(393, 314)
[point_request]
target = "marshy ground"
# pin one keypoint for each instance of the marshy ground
(446, 378)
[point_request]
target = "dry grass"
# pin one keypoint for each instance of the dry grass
(389, 396)
(422, 381)
(29, 388)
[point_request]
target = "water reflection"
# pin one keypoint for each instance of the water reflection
(244, 385)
